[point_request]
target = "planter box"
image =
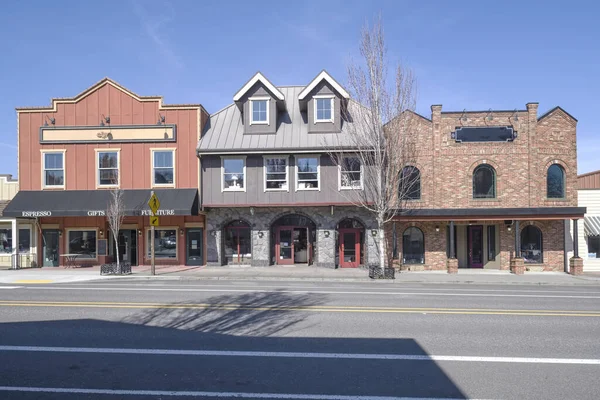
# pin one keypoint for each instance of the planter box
(112, 269)
(376, 273)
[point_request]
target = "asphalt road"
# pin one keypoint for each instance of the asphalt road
(298, 340)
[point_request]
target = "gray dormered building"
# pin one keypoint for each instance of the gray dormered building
(271, 193)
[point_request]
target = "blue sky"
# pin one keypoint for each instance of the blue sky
(466, 54)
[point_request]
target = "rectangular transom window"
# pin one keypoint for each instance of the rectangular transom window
(82, 242)
(163, 169)
(276, 173)
(350, 173)
(234, 173)
(323, 109)
(108, 168)
(259, 111)
(165, 243)
(54, 169)
(307, 173)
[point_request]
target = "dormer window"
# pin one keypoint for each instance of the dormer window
(323, 109)
(259, 110)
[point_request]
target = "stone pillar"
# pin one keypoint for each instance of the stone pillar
(517, 266)
(372, 250)
(325, 251)
(452, 265)
(260, 248)
(214, 252)
(576, 266)
(15, 243)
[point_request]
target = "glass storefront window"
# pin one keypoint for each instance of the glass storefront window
(6, 240)
(237, 243)
(165, 243)
(83, 243)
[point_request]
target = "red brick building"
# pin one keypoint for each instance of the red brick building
(496, 187)
(74, 152)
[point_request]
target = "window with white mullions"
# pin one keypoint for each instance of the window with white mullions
(307, 176)
(324, 109)
(163, 167)
(54, 169)
(276, 173)
(260, 114)
(233, 173)
(108, 168)
(350, 173)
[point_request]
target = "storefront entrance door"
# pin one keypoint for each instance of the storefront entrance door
(128, 246)
(285, 245)
(475, 246)
(194, 254)
(50, 239)
(349, 248)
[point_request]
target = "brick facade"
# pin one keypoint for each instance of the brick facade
(521, 166)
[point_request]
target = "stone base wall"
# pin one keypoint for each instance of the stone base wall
(261, 220)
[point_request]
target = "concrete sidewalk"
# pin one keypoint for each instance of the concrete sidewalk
(61, 275)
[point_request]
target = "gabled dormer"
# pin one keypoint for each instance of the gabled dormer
(259, 102)
(324, 100)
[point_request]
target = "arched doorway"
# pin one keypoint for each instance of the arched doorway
(350, 243)
(237, 245)
(293, 239)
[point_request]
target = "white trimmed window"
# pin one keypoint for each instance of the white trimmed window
(323, 108)
(276, 173)
(53, 164)
(307, 173)
(108, 168)
(233, 172)
(259, 110)
(351, 172)
(163, 168)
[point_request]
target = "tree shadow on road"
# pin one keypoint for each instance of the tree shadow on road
(249, 314)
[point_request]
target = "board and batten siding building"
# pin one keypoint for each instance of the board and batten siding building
(589, 228)
(72, 153)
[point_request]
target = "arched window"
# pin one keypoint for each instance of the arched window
(236, 243)
(413, 246)
(531, 244)
(484, 182)
(555, 184)
(409, 187)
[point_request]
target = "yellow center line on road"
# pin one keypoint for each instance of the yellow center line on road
(339, 309)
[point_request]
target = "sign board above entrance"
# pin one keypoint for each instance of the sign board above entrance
(108, 133)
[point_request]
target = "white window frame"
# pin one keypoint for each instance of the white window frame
(297, 183)
(223, 188)
(64, 155)
(152, 175)
(331, 99)
(362, 174)
(287, 173)
(252, 100)
(119, 176)
(148, 248)
(89, 229)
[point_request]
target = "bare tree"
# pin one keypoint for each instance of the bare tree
(379, 136)
(115, 214)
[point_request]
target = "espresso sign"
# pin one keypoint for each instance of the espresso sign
(36, 213)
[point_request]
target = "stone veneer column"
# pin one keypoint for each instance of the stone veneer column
(325, 251)
(576, 266)
(260, 247)
(372, 250)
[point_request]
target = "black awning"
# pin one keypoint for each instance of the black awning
(493, 213)
(93, 203)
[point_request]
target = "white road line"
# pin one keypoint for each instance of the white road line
(188, 393)
(284, 354)
(310, 292)
(291, 287)
(10, 287)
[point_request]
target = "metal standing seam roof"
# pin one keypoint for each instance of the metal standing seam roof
(225, 132)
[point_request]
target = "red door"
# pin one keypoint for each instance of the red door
(349, 248)
(284, 245)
